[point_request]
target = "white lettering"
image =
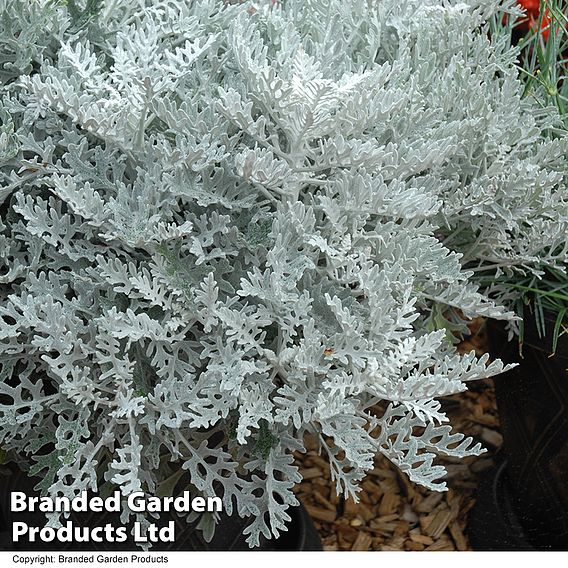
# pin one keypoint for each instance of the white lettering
(138, 536)
(198, 504)
(96, 505)
(136, 503)
(18, 529)
(214, 504)
(18, 501)
(112, 503)
(167, 534)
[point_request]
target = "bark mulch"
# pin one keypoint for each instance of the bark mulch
(393, 513)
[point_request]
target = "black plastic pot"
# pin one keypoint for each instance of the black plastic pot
(523, 503)
(301, 534)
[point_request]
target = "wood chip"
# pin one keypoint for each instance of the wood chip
(441, 545)
(386, 519)
(410, 545)
(366, 512)
(481, 465)
(428, 504)
(334, 498)
(408, 514)
(458, 537)
(454, 500)
(311, 473)
(482, 417)
(362, 542)
(436, 523)
(421, 538)
(395, 543)
(458, 471)
(401, 529)
(344, 542)
(383, 473)
(389, 504)
(351, 508)
(323, 464)
(331, 547)
(324, 515)
(492, 437)
(323, 501)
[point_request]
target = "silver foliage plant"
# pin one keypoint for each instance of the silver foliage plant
(222, 228)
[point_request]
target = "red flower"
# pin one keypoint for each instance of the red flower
(531, 6)
(531, 21)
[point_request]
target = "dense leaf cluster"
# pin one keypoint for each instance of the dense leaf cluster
(226, 225)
